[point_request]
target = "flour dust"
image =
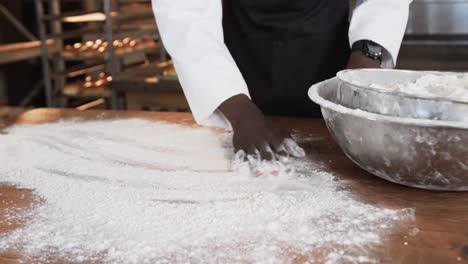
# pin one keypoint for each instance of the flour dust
(134, 191)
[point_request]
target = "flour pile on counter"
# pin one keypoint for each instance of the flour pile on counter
(432, 85)
(133, 191)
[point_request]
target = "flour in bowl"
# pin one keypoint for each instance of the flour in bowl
(432, 85)
(134, 191)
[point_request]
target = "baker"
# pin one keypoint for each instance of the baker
(239, 60)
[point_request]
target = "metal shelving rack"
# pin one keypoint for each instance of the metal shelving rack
(106, 19)
(19, 51)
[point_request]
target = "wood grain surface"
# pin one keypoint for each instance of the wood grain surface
(441, 218)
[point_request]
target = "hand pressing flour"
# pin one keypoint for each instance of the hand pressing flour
(277, 166)
(255, 134)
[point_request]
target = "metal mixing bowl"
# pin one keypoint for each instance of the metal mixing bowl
(429, 154)
(359, 95)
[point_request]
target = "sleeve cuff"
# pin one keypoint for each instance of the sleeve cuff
(383, 22)
(389, 58)
(215, 118)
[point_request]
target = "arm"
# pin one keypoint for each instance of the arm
(382, 21)
(215, 89)
(193, 35)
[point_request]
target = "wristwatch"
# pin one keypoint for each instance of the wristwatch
(369, 48)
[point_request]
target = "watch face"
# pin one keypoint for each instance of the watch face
(374, 49)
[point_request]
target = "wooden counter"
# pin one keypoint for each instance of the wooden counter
(441, 217)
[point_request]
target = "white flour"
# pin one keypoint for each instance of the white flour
(431, 85)
(133, 191)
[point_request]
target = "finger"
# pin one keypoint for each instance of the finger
(282, 157)
(279, 152)
(255, 164)
(293, 149)
(277, 146)
(240, 156)
(274, 168)
(240, 163)
(266, 153)
(250, 150)
(246, 157)
(270, 166)
(254, 159)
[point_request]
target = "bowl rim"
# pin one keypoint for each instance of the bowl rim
(340, 76)
(315, 97)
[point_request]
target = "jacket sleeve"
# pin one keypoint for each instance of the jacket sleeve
(192, 33)
(382, 21)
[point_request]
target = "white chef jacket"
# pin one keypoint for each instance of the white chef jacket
(192, 33)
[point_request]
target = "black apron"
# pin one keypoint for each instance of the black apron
(282, 47)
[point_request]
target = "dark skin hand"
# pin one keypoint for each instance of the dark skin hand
(255, 132)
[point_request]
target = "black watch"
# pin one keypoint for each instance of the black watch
(369, 48)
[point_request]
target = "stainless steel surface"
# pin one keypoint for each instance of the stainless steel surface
(438, 17)
(362, 96)
(414, 152)
(436, 36)
(429, 56)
